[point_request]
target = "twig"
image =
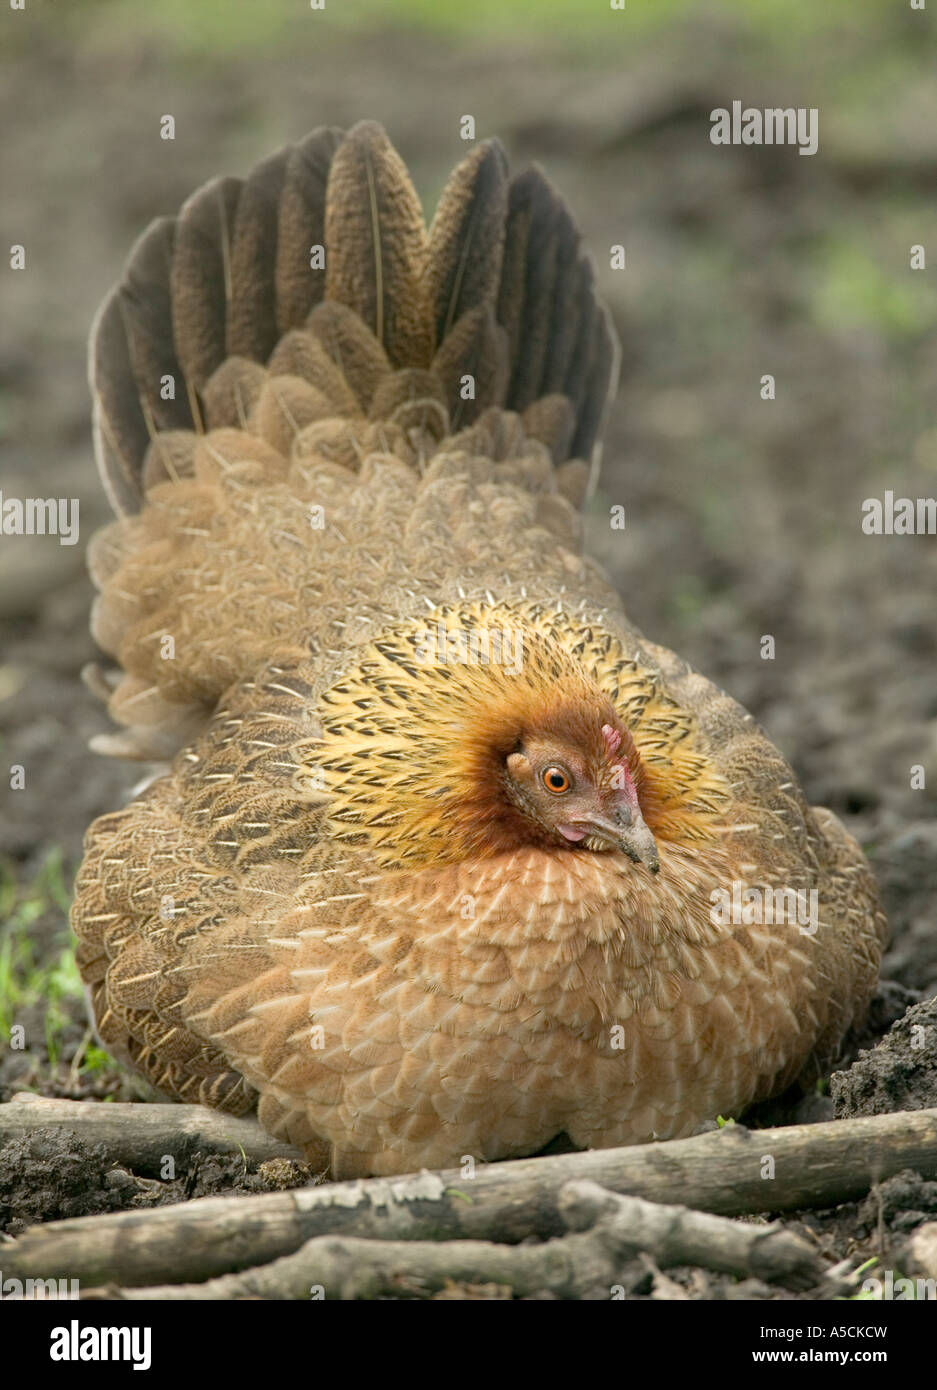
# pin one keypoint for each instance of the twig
(348, 1267)
(142, 1136)
(727, 1172)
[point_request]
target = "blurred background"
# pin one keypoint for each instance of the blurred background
(743, 515)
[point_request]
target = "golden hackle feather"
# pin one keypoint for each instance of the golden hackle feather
(408, 734)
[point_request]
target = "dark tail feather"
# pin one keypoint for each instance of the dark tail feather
(466, 239)
(376, 245)
(560, 337)
(251, 320)
(226, 277)
(299, 286)
(500, 290)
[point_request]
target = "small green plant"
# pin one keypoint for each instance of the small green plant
(863, 1295)
(26, 980)
(95, 1060)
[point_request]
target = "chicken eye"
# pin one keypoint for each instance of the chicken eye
(555, 779)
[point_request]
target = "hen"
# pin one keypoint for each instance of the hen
(447, 859)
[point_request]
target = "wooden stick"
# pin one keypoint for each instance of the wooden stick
(731, 1172)
(142, 1136)
(348, 1267)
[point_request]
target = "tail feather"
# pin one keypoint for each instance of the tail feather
(559, 335)
(251, 328)
(476, 346)
(376, 245)
(300, 285)
(499, 290)
(535, 221)
(121, 437)
(356, 353)
(200, 283)
(592, 409)
(147, 316)
(224, 279)
(466, 238)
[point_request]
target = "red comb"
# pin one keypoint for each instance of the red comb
(612, 738)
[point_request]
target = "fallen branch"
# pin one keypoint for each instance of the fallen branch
(348, 1267)
(143, 1136)
(725, 1173)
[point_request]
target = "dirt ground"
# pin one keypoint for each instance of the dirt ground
(743, 515)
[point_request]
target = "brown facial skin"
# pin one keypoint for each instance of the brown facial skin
(579, 799)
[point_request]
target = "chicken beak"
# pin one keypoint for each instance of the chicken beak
(627, 830)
